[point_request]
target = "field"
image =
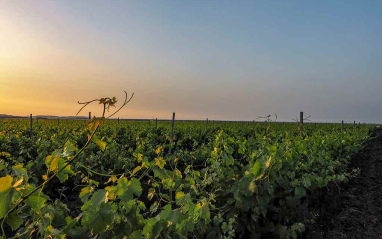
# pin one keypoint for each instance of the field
(130, 179)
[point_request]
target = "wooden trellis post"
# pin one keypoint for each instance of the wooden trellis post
(266, 128)
(31, 127)
(172, 126)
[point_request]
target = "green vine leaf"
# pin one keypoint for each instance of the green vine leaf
(14, 221)
(35, 201)
(69, 148)
(63, 175)
(126, 189)
(20, 171)
(256, 169)
(96, 200)
(97, 219)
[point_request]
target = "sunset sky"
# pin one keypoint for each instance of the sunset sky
(230, 60)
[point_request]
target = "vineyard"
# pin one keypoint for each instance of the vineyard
(130, 179)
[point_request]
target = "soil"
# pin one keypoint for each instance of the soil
(352, 209)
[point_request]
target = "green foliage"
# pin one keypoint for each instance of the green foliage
(98, 218)
(230, 181)
(127, 189)
(14, 221)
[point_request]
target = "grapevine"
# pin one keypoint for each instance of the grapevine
(128, 179)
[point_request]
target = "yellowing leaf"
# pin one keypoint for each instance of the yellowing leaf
(268, 163)
(158, 150)
(99, 143)
(85, 193)
(94, 124)
(17, 183)
(112, 179)
(48, 159)
(175, 160)
(179, 195)
(136, 170)
(178, 173)
(140, 157)
(106, 196)
(252, 187)
(160, 162)
(146, 165)
(44, 177)
(111, 192)
(54, 164)
(6, 193)
(151, 193)
(5, 154)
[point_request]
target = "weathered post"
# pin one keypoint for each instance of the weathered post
(172, 126)
(206, 125)
(156, 123)
(301, 121)
(266, 128)
(342, 126)
(31, 129)
(90, 115)
(354, 125)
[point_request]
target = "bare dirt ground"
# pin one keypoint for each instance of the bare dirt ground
(354, 210)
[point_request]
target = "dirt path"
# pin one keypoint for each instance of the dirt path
(356, 210)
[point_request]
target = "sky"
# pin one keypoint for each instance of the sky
(222, 60)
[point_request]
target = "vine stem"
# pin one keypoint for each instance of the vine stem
(99, 174)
